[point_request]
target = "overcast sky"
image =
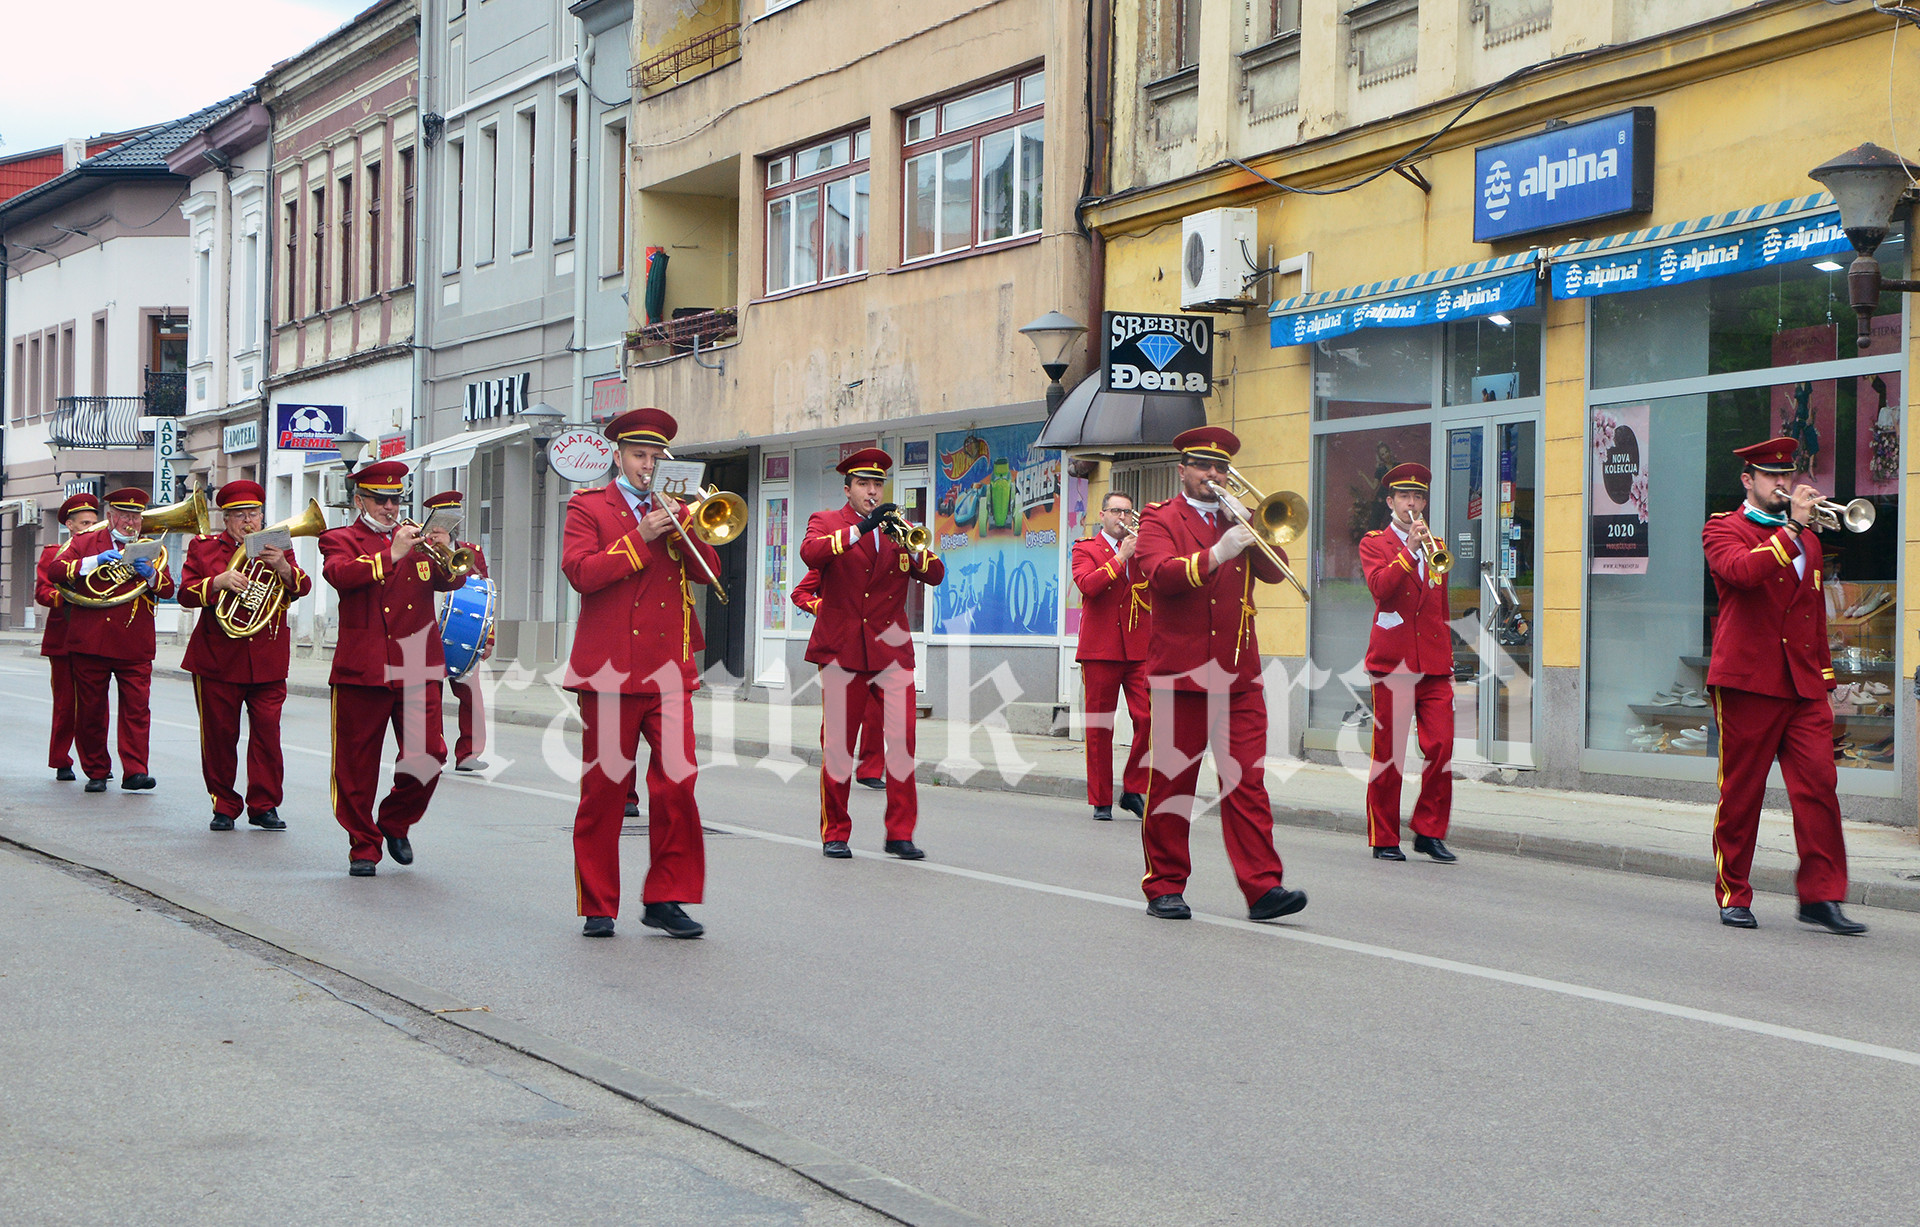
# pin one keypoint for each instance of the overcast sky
(82, 69)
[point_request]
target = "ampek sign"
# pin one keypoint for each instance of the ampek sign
(1585, 171)
(1156, 353)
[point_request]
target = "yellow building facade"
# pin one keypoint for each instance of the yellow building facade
(1375, 330)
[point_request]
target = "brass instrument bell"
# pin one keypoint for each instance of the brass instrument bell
(245, 612)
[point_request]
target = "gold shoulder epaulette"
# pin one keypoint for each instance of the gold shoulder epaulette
(1718, 514)
(1156, 506)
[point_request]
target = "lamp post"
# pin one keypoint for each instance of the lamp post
(544, 422)
(352, 445)
(1868, 184)
(1053, 334)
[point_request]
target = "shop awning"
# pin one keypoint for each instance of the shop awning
(1758, 237)
(1486, 288)
(1093, 422)
(456, 450)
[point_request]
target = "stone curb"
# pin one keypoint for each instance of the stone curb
(854, 1181)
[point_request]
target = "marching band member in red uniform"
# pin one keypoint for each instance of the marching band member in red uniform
(1769, 701)
(230, 674)
(633, 670)
(115, 642)
(79, 513)
(872, 771)
(1116, 631)
(387, 668)
(1410, 657)
(472, 742)
(865, 652)
(1204, 668)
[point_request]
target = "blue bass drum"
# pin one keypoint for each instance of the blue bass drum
(466, 625)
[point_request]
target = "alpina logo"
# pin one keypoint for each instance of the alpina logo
(1497, 194)
(1552, 178)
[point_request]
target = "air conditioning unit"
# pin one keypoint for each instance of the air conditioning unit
(334, 491)
(1216, 256)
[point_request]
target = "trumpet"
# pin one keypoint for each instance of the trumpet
(718, 517)
(456, 562)
(1275, 518)
(1831, 516)
(1130, 520)
(245, 612)
(1439, 557)
(911, 537)
(101, 589)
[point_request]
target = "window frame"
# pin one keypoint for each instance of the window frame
(790, 188)
(373, 205)
(972, 136)
(345, 202)
(317, 257)
(525, 177)
(566, 221)
(409, 215)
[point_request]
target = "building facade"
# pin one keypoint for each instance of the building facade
(840, 222)
(1566, 253)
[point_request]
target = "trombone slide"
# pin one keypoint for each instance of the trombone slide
(1237, 511)
(713, 581)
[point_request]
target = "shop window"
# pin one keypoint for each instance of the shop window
(975, 168)
(1789, 314)
(817, 212)
(1392, 370)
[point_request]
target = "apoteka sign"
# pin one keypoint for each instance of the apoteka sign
(1156, 353)
(1574, 173)
(580, 454)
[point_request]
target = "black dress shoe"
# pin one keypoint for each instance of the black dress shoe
(471, 764)
(1134, 804)
(138, 781)
(837, 849)
(598, 926)
(1103, 813)
(399, 849)
(633, 809)
(64, 775)
(1277, 902)
(904, 849)
(1169, 907)
(1829, 917)
(1433, 848)
(221, 822)
(1388, 852)
(99, 785)
(267, 820)
(873, 781)
(670, 919)
(1738, 918)
(360, 869)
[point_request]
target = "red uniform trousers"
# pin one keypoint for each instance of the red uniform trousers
(1238, 735)
(361, 715)
(134, 681)
(847, 697)
(613, 725)
(873, 747)
(1427, 699)
(1756, 729)
(1104, 680)
(219, 704)
(60, 742)
(472, 741)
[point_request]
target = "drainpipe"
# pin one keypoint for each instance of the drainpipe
(1099, 158)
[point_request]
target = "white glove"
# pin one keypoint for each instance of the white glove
(1232, 545)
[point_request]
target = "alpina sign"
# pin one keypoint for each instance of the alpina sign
(1600, 168)
(1156, 353)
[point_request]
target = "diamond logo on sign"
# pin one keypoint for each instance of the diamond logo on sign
(1159, 349)
(1497, 194)
(1156, 353)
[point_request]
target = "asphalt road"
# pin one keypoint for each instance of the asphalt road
(1003, 1026)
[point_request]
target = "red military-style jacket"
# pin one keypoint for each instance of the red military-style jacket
(1203, 616)
(211, 652)
(636, 598)
(386, 609)
(119, 632)
(861, 621)
(1116, 609)
(1771, 634)
(806, 594)
(53, 638)
(1409, 632)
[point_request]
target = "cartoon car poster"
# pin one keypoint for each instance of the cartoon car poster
(997, 521)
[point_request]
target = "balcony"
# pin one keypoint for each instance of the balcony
(114, 421)
(166, 393)
(689, 58)
(685, 331)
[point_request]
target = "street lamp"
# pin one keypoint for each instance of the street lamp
(544, 421)
(1868, 184)
(1053, 334)
(352, 445)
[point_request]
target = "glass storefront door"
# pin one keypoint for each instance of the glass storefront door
(1485, 508)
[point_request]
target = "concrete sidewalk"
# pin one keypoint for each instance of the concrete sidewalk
(1667, 838)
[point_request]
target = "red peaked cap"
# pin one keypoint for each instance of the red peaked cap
(1408, 476)
(655, 426)
(381, 477)
(867, 462)
(446, 498)
(79, 502)
(1773, 456)
(240, 496)
(128, 499)
(1210, 442)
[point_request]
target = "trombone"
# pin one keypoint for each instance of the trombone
(1831, 516)
(718, 518)
(1275, 518)
(1439, 557)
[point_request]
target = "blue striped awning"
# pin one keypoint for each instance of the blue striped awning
(1459, 292)
(1725, 243)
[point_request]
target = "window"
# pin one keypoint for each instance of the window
(50, 388)
(251, 270)
(1283, 16)
(99, 355)
(570, 190)
(202, 306)
(406, 217)
(817, 209)
(614, 208)
(66, 359)
(290, 227)
(320, 279)
(35, 375)
(456, 244)
(488, 173)
(348, 256)
(975, 168)
(527, 179)
(19, 379)
(1186, 33)
(376, 238)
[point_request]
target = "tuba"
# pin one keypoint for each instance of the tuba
(245, 612)
(118, 583)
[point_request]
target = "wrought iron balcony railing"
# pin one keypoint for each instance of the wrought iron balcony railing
(720, 45)
(99, 421)
(683, 332)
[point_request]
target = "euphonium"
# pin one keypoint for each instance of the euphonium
(118, 583)
(245, 612)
